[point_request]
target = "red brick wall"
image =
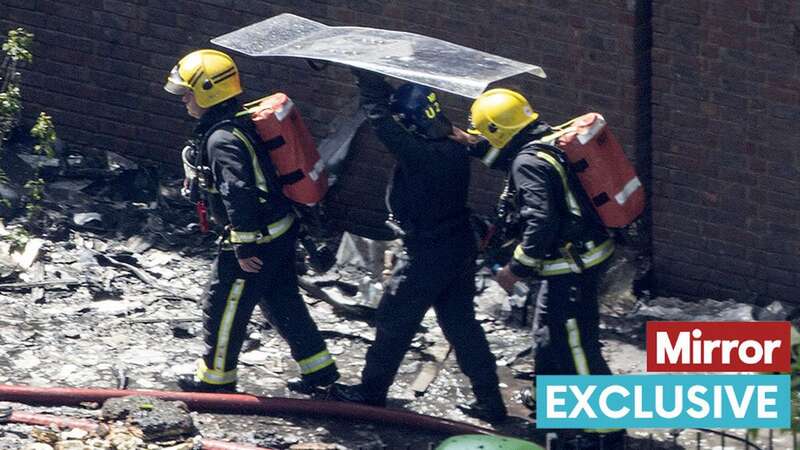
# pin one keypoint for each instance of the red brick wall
(725, 87)
(726, 159)
(100, 66)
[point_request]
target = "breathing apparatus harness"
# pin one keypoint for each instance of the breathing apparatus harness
(200, 183)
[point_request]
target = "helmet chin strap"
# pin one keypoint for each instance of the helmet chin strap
(441, 128)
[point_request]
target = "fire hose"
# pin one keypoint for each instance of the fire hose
(243, 404)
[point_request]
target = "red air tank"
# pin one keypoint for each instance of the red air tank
(291, 148)
(603, 169)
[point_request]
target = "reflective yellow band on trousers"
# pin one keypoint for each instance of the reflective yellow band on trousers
(578, 355)
(560, 266)
(225, 325)
(276, 230)
(211, 376)
(315, 363)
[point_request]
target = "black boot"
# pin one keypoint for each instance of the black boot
(488, 405)
(189, 383)
(356, 394)
(312, 384)
(488, 412)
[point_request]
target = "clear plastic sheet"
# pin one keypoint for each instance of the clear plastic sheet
(407, 56)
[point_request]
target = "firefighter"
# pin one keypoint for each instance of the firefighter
(256, 261)
(427, 202)
(562, 243)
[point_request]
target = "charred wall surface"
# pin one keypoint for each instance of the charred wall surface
(716, 80)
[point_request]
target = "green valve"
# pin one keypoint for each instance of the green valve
(483, 442)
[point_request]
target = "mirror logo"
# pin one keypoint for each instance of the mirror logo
(714, 395)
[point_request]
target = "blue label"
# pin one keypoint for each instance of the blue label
(663, 401)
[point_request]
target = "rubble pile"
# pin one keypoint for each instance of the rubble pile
(128, 423)
(103, 292)
(102, 289)
(107, 437)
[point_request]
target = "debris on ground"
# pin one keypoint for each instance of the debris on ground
(103, 290)
(156, 419)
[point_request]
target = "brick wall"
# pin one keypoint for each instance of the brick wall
(723, 148)
(726, 159)
(100, 65)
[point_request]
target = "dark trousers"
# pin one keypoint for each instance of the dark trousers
(231, 298)
(566, 326)
(438, 274)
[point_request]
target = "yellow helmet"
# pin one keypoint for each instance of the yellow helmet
(210, 74)
(499, 114)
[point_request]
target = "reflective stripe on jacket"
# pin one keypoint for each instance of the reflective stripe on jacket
(558, 237)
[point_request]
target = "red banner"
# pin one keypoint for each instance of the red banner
(718, 347)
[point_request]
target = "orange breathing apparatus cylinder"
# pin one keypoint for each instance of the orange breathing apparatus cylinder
(292, 149)
(597, 158)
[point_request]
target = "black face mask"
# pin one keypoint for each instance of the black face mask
(438, 128)
(433, 129)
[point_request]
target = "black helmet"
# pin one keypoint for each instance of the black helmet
(417, 109)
